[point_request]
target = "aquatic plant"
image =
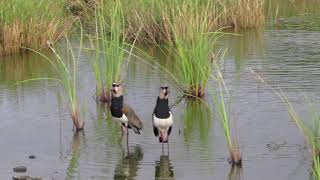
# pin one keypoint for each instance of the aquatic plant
(31, 24)
(219, 99)
(65, 68)
(310, 133)
(67, 71)
(316, 167)
(193, 47)
(110, 47)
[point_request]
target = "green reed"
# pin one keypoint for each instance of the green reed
(110, 46)
(65, 68)
(193, 47)
(310, 133)
(67, 71)
(219, 98)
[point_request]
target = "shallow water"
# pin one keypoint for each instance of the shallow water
(35, 119)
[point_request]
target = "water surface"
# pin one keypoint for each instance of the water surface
(35, 119)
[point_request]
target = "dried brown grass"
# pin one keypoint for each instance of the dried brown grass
(33, 33)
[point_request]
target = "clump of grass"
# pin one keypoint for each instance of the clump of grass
(219, 97)
(193, 44)
(66, 72)
(114, 44)
(31, 24)
(110, 46)
(310, 133)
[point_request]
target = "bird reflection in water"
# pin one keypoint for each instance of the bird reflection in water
(164, 168)
(128, 166)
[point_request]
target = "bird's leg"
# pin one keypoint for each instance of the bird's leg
(124, 130)
(162, 148)
(168, 147)
(121, 131)
(127, 139)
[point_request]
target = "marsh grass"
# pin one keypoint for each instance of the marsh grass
(65, 68)
(31, 24)
(67, 71)
(193, 48)
(311, 133)
(156, 16)
(113, 44)
(110, 47)
(83, 9)
(187, 27)
(219, 98)
(244, 14)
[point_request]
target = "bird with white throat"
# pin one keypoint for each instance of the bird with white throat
(162, 116)
(123, 113)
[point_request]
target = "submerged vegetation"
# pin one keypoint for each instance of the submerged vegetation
(31, 24)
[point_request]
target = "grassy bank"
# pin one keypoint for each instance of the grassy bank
(156, 16)
(31, 24)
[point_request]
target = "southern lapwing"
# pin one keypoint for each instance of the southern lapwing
(122, 112)
(162, 117)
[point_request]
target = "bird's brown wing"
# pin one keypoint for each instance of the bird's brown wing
(133, 119)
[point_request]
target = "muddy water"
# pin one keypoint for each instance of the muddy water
(35, 120)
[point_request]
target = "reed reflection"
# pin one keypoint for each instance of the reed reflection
(197, 119)
(75, 153)
(235, 173)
